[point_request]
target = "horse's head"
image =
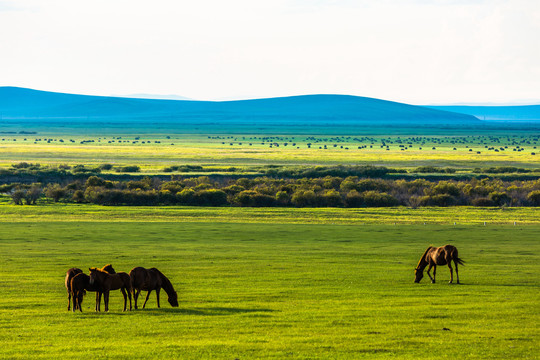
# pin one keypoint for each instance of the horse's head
(93, 274)
(108, 268)
(419, 274)
(173, 299)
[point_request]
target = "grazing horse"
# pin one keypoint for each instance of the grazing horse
(107, 282)
(70, 275)
(434, 256)
(151, 279)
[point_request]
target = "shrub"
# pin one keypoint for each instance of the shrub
(55, 192)
(332, 198)
(130, 168)
(483, 201)
(499, 198)
(210, 197)
(534, 197)
(379, 199)
(445, 187)
(354, 199)
(304, 198)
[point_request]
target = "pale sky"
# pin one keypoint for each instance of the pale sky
(413, 51)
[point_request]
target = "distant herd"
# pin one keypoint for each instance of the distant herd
(103, 280)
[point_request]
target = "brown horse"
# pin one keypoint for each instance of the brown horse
(107, 282)
(79, 285)
(70, 275)
(151, 279)
(434, 256)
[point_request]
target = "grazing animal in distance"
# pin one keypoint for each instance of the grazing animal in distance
(151, 279)
(434, 256)
(106, 282)
(70, 274)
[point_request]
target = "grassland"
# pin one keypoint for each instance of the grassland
(272, 282)
(461, 215)
(154, 152)
(272, 290)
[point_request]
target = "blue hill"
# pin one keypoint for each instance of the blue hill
(23, 104)
(509, 113)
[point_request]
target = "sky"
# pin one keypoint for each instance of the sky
(412, 51)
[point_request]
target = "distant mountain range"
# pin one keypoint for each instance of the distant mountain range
(23, 104)
(509, 113)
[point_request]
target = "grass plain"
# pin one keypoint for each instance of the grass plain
(154, 152)
(272, 282)
(273, 290)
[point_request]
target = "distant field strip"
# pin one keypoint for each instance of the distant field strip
(398, 215)
(199, 149)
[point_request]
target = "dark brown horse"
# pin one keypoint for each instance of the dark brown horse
(434, 256)
(70, 275)
(151, 279)
(107, 282)
(79, 285)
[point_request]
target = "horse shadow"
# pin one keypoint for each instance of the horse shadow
(213, 311)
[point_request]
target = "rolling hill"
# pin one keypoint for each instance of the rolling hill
(22, 105)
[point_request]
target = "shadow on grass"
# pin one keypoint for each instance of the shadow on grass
(213, 311)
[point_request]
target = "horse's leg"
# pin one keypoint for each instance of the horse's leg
(106, 300)
(79, 301)
(157, 296)
(125, 297)
(457, 274)
(136, 296)
(451, 272)
(69, 299)
(129, 296)
(147, 297)
(428, 270)
(98, 301)
(74, 302)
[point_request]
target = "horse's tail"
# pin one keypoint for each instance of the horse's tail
(456, 258)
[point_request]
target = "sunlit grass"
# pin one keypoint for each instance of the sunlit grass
(272, 290)
(182, 149)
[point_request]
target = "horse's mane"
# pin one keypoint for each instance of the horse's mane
(100, 270)
(108, 268)
(423, 257)
(167, 285)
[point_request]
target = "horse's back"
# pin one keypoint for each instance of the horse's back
(120, 280)
(80, 282)
(70, 274)
(137, 276)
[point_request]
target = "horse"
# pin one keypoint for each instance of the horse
(79, 285)
(70, 275)
(434, 256)
(107, 282)
(151, 279)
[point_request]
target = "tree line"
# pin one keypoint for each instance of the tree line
(327, 191)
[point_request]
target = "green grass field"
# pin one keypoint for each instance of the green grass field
(271, 290)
